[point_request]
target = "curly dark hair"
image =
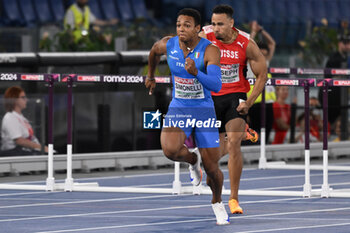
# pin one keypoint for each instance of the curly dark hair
(192, 13)
(223, 9)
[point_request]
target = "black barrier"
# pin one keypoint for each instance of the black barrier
(77, 58)
(126, 58)
(18, 59)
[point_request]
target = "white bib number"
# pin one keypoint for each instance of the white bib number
(230, 73)
(188, 88)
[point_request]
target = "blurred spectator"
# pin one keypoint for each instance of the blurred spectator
(17, 135)
(301, 135)
(316, 123)
(267, 47)
(79, 19)
(281, 113)
(339, 59)
(267, 42)
(338, 131)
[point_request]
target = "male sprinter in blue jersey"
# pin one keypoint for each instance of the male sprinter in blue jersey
(195, 66)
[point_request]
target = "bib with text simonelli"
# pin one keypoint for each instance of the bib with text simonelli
(188, 88)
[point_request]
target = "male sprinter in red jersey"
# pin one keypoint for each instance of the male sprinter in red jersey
(231, 103)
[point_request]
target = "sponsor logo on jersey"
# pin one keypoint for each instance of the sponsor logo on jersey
(241, 44)
(172, 57)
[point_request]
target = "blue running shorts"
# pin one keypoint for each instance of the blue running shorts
(200, 120)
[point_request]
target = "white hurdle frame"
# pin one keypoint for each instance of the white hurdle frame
(325, 191)
(177, 187)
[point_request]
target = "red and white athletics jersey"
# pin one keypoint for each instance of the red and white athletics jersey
(233, 62)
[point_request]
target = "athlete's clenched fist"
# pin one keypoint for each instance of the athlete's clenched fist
(190, 66)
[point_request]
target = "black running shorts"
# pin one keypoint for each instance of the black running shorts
(225, 108)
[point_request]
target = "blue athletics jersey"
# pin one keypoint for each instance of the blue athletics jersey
(187, 90)
(192, 108)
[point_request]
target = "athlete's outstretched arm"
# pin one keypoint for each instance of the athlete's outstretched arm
(158, 49)
(212, 79)
(258, 65)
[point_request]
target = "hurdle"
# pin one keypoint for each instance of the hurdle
(263, 164)
(50, 79)
(177, 187)
(325, 191)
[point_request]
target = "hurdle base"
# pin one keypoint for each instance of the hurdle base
(50, 184)
(197, 190)
(72, 186)
(68, 185)
(307, 190)
(325, 190)
(177, 187)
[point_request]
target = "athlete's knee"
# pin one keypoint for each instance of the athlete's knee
(211, 168)
(170, 152)
(233, 143)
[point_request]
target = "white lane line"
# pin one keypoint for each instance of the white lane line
(290, 176)
(299, 186)
(251, 179)
(171, 174)
(132, 211)
(104, 213)
(298, 228)
(89, 201)
(124, 199)
(145, 210)
(18, 194)
(202, 220)
(303, 218)
(131, 225)
(120, 177)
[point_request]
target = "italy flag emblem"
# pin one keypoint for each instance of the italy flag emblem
(196, 54)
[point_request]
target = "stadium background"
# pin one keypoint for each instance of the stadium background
(107, 117)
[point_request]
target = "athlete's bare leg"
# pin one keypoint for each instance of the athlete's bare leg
(172, 141)
(223, 144)
(235, 133)
(215, 178)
